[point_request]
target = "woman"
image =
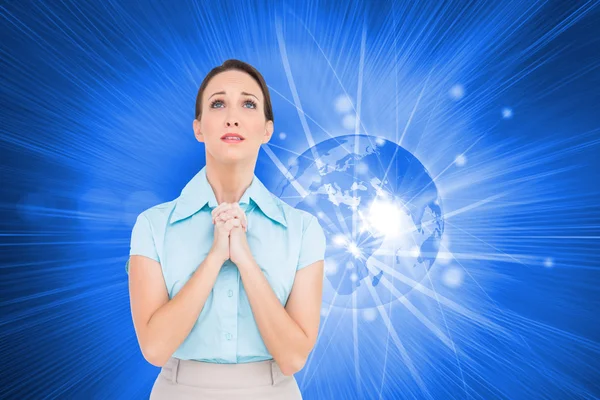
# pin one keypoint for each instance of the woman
(226, 280)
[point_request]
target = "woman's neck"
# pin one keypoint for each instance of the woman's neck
(228, 181)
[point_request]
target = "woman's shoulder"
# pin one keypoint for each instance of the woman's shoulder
(158, 215)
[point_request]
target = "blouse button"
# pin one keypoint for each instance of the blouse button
(230, 293)
(228, 336)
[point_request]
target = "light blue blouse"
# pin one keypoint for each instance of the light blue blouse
(178, 234)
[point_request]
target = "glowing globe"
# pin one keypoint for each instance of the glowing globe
(381, 213)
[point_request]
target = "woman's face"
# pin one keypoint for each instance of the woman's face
(233, 103)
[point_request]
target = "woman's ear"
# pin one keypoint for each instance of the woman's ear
(268, 131)
(196, 126)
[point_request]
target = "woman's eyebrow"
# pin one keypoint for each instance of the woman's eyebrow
(244, 93)
(249, 94)
(221, 92)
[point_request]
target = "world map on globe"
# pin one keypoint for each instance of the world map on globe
(381, 213)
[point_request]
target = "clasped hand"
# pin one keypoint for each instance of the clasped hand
(230, 241)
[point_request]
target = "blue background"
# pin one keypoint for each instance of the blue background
(498, 100)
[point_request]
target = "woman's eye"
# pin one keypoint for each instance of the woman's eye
(220, 104)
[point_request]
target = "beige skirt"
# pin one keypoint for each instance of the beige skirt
(188, 379)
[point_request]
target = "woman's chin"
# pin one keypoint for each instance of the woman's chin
(235, 157)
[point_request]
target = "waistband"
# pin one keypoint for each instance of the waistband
(218, 376)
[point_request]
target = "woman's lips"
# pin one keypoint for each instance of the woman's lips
(232, 138)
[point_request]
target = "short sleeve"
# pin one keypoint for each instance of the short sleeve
(312, 248)
(142, 241)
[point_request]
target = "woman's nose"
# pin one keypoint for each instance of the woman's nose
(234, 123)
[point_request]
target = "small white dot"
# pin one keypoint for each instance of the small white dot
(460, 160)
(353, 277)
(330, 267)
(453, 277)
(369, 314)
(343, 104)
(362, 168)
(548, 262)
(457, 92)
(349, 121)
(311, 200)
(282, 136)
(507, 113)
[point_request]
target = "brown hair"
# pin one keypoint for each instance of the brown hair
(233, 64)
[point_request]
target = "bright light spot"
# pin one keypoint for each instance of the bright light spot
(321, 214)
(324, 312)
(363, 228)
(293, 161)
(354, 250)
(380, 141)
(349, 121)
(384, 216)
(330, 267)
(382, 194)
(369, 314)
(460, 160)
(457, 92)
(311, 200)
(444, 257)
(353, 277)
(282, 136)
(453, 277)
(340, 240)
(415, 251)
(548, 262)
(343, 104)
(362, 168)
(507, 113)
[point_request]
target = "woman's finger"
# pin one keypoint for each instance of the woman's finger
(229, 225)
(239, 214)
(220, 208)
(231, 214)
(233, 210)
(225, 216)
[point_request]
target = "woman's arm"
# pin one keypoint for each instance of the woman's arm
(162, 325)
(289, 333)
